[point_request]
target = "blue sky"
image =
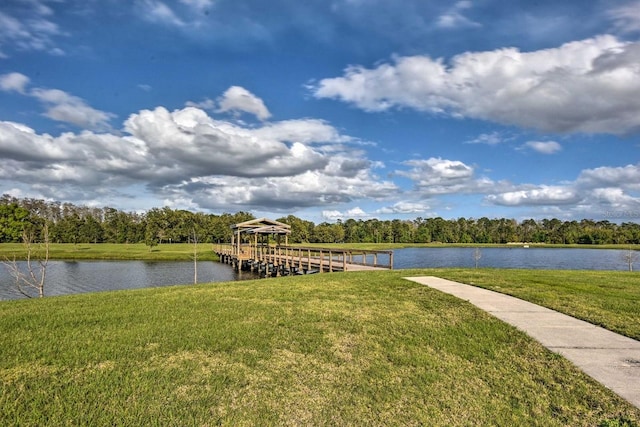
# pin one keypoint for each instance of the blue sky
(325, 109)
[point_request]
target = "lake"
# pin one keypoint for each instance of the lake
(69, 277)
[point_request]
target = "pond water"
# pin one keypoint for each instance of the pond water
(70, 277)
(515, 257)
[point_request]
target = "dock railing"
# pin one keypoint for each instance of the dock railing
(309, 258)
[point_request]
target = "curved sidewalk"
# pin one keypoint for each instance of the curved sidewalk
(610, 358)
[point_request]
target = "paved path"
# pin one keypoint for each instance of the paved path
(610, 358)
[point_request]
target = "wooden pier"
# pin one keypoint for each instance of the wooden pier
(256, 246)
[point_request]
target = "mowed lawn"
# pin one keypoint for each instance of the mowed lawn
(610, 299)
(335, 349)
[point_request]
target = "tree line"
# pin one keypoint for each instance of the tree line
(68, 223)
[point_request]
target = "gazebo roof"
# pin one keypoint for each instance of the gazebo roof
(262, 226)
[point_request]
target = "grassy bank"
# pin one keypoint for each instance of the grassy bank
(606, 298)
(333, 349)
(112, 251)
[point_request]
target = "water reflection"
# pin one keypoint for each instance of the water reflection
(516, 257)
(70, 277)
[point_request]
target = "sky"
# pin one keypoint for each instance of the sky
(325, 109)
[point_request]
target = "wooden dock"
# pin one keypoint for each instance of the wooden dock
(278, 260)
(256, 245)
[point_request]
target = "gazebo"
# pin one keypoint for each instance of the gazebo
(260, 230)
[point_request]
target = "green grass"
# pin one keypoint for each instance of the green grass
(112, 251)
(334, 349)
(606, 298)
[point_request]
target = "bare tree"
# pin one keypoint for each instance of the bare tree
(195, 257)
(33, 275)
(477, 254)
(629, 257)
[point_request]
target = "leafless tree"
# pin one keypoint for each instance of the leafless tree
(629, 257)
(477, 254)
(195, 257)
(33, 276)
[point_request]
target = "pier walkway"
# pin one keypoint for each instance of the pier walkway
(256, 245)
(274, 260)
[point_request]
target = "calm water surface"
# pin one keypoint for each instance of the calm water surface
(516, 257)
(71, 277)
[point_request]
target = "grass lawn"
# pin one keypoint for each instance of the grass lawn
(360, 348)
(112, 251)
(610, 299)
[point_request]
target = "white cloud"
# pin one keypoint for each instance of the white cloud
(334, 215)
(206, 104)
(306, 131)
(188, 155)
(442, 176)
(626, 18)
(593, 192)
(13, 82)
(590, 86)
(405, 208)
(239, 100)
(493, 138)
(454, 18)
(67, 108)
(29, 28)
(158, 12)
(543, 195)
(543, 147)
(607, 177)
(60, 105)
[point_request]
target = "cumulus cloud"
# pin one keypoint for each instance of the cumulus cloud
(60, 105)
(239, 100)
(543, 195)
(334, 215)
(13, 82)
(589, 86)
(543, 147)
(436, 176)
(405, 207)
(188, 155)
(593, 192)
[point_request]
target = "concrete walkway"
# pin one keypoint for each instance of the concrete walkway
(610, 358)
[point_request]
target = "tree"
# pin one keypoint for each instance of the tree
(477, 254)
(12, 221)
(629, 257)
(34, 278)
(194, 237)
